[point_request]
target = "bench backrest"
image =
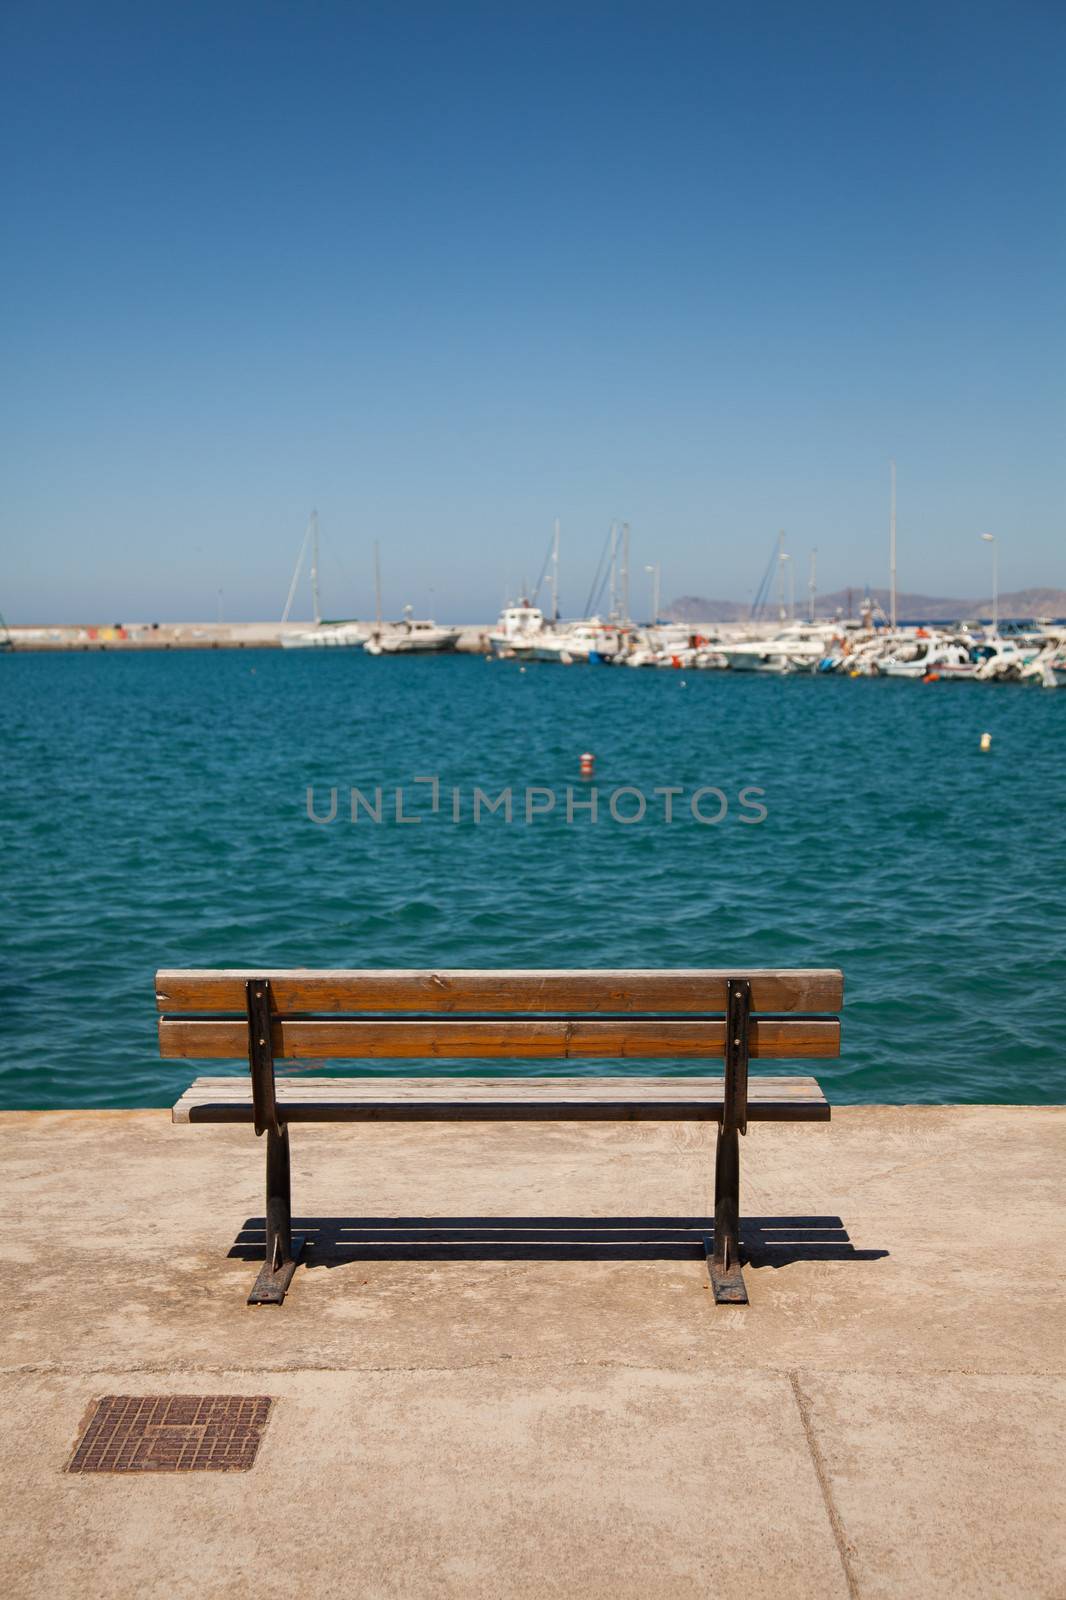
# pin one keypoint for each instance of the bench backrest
(524, 1015)
(537, 1015)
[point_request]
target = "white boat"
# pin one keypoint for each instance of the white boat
(854, 648)
(924, 655)
(1010, 657)
(1048, 666)
(412, 637)
(675, 656)
(519, 629)
(668, 645)
(522, 626)
(797, 648)
(320, 635)
(327, 636)
(956, 669)
(590, 641)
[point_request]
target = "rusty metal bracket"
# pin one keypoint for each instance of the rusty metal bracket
(283, 1247)
(723, 1252)
(737, 1029)
(261, 1056)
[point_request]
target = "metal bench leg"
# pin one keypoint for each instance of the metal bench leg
(282, 1249)
(723, 1258)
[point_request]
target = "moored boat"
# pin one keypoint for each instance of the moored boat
(518, 631)
(590, 641)
(413, 636)
(327, 636)
(798, 648)
(928, 653)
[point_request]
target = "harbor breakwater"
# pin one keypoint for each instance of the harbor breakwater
(89, 637)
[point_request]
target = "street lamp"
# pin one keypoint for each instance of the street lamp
(791, 588)
(990, 538)
(656, 571)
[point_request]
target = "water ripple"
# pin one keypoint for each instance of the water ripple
(154, 813)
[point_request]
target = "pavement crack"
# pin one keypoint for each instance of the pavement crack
(820, 1472)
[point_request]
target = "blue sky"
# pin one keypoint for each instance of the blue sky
(447, 271)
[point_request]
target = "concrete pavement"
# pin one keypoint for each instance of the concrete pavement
(521, 1386)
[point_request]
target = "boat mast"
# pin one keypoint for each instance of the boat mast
(315, 606)
(296, 572)
(812, 587)
(377, 584)
(613, 613)
(625, 572)
(555, 574)
(781, 558)
(892, 546)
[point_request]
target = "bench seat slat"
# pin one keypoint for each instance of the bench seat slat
(691, 991)
(791, 1099)
(322, 1039)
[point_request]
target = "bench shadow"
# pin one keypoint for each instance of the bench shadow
(765, 1241)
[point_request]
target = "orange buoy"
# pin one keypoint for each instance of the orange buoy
(588, 761)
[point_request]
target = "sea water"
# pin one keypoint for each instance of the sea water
(155, 812)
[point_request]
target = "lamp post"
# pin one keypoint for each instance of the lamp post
(656, 571)
(990, 538)
(785, 556)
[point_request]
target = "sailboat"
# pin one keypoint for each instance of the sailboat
(323, 635)
(592, 639)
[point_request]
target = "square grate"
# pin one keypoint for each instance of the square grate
(172, 1433)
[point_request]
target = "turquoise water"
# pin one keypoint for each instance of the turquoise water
(155, 813)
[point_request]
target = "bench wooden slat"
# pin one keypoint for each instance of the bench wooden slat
(323, 1039)
(792, 1099)
(459, 1087)
(692, 991)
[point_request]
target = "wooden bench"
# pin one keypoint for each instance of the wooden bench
(373, 1016)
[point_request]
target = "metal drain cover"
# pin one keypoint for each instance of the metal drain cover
(172, 1433)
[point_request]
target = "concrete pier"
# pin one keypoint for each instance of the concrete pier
(68, 638)
(524, 1389)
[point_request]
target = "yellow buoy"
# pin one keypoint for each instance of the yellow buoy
(986, 741)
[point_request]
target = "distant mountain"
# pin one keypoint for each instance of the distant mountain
(910, 607)
(691, 608)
